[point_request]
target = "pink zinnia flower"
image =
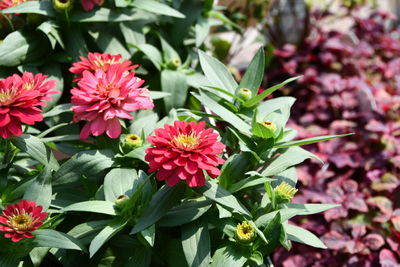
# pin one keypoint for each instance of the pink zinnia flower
(88, 5)
(20, 98)
(20, 220)
(183, 151)
(97, 61)
(103, 97)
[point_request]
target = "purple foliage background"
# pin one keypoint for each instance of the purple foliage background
(351, 83)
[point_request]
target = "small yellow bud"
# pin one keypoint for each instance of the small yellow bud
(245, 232)
(63, 5)
(132, 141)
(270, 125)
(174, 63)
(244, 94)
(284, 192)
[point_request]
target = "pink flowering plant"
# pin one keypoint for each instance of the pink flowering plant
(119, 177)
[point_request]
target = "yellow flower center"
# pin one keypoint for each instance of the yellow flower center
(285, 191)
(7, 96)
(245, 232)
(186, 141)
(21, 222)
(100, 63)
(28, 85)
(270, 125)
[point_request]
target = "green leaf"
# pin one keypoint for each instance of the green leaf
(279, 104)
(196, 243)
(57, 110)
(212, 191)
(54, 73)
(34, 7)
(262, 131)
(157, 7)
(159, 205)
(152, 53)
(231, 255)
(75, 42)
(157, 95)
(15, 48)
(133, 34)
(54, 239)
(149, 234)
(223, 113)
(247, 182)
(217, 73)
(86, 230)
(272, 233)
(40, 189)
(169, 52)
(185, 212)
(310, 140)
(103, 15)
(120, 182)
(304, 236)
(96, 206)
(174, 82)
(36, 149)
(255, 73)
(51, 31)
(290, 156)
(108, 43)
(254, 100)
(293, 209)
(87, 163)
(202, 29)
(109, 231)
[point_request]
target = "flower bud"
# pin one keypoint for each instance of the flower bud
(120, 203)
(245, 233)
(244, 94)
(270, 125)
(63, 5)
(132, 141)
(174, 63)
(284, 192)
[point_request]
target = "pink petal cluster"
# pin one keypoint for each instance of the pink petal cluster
(20, 99)
(183, 151)
(19, 220)
(10, 3)
(88, 5)
(97, 61)
(103, 97)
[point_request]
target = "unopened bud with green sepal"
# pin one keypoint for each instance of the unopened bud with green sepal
(131, 142)
(63, 5)
(245, 232)
(244, 94)
(284, 193)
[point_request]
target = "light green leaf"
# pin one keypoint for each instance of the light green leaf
(290, 156)
(157, 7)
(223, 113)
(120, 182)
(174, 82)
(159, 205)
(254, 100)
(196, 243)
(309, 140)
(109, 231)
(185, 212)
(40, 189)
(304, 236)
(57, 110)
(152, 53)
(108, 43)
(231, 255)
(34, 7)
(54, 239)
(212, 191)
(255, 73)
(86, 163)
(96, 206)
(217, 73)
(157, 95)
(262, 131)
(36, 149)
(149, 234)
(248, 182)
(103, 15)
(169, 52)
(202, 28)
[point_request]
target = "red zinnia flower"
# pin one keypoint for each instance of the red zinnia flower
(97, 61)
(183, 151)
(20, 220)
(19, 101)
(88, 5)
(104, 97)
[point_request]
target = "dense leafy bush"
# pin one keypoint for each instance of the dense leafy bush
(95, 172)
(350, 84)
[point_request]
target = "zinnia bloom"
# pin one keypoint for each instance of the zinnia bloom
(97, 61)
(21, 219)
(183, 151)
(20, 98)
(103, 97)
(88, 5)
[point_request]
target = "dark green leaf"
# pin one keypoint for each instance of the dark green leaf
(158, 8)
(304, 236)
(231, 255)
(255, 73)
(196, 243)
(96, 206)
(54, 239)
(40, 189)
(120, 182)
